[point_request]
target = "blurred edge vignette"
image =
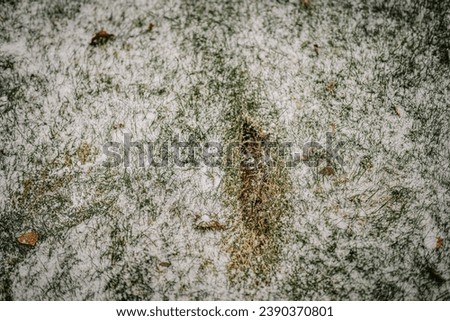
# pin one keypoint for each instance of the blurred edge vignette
(225, 150)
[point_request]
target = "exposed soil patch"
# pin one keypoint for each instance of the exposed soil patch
(262, 185)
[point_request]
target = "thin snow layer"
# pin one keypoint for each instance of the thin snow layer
(374, 74)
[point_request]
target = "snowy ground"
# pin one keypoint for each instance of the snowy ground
(375, 74)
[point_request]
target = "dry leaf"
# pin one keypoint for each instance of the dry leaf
(211, 225)
(215, 225)
(165, 264)
(150, 27)
(327, 171)
(101, 37)
(439, 241)
(305, 3)
(28, 238)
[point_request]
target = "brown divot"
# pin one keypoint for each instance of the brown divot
(260, 189)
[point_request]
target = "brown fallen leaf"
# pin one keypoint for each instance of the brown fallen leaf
(29, 238)
(101, 37)
(215, 225)
(305, 3)
(211, 225)
(327, 171)
(439, 241)
(150, 27)
(165, 264)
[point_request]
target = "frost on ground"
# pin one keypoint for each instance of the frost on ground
(374, 74)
